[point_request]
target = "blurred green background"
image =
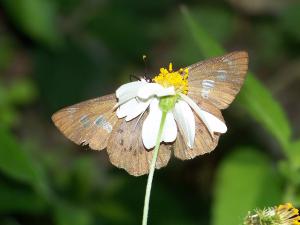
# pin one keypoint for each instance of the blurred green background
(55, 53)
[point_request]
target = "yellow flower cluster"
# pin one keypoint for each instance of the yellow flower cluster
(288, 214)
(284, 214)
(177, 79)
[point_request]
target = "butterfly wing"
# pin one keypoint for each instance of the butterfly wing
(218, 80)
(90, 122)
(204, 142)
(126, 150)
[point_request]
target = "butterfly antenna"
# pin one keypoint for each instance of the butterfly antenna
(145, 64)
(134, 78)
(147, 78)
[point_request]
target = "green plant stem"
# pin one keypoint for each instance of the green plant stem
(152, 168)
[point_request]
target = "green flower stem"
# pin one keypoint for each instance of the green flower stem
(152, 168)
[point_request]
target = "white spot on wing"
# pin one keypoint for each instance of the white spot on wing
(229, 62)
(84, 120)
(207, 85)
(102, 122)
(221, 75)
(72, 110)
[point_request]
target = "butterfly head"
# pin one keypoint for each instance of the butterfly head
(177, 79)
(147, 79)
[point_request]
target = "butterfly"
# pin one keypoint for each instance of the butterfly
(213, 85)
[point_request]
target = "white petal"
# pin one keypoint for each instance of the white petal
(127, 108)
(151, 125)
(139, 108)
(215, 124)
(152, 89)
(123, 89)
(185, 119)
(170, 129)
(165, 92)
(128, 91)
(212, 123)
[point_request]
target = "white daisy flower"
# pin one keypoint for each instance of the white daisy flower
(169, 87)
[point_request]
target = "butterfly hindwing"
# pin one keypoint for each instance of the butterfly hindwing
(126, 150)
(218, 80)
(90, 122)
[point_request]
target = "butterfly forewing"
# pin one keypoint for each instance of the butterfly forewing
(204, 142)
(126, 150)
(89, 122)
(218, 80)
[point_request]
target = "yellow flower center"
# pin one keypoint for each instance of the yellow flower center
(177, 79)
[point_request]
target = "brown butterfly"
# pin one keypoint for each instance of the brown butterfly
(213, 85)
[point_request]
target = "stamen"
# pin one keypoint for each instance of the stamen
(177, 79)
(170, 67)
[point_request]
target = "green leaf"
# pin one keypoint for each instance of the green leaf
(245, 180)
(85, 174)
(14, 200)
(65, 214)
(258, 101)
(254, 97)
(290, 19)
(218, 21)
(3, 95)
(269, 43)
(8, 116)
(15, 162)
(35, 17)
(207, 45)
(8, 221)
(294, 155)
(22, 91)
(8, 48)
(114, 211)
